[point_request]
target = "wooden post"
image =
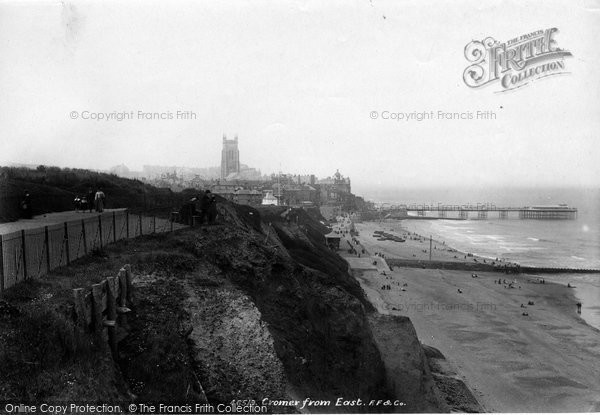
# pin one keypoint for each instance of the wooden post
(1, 267)
(154, 223)
(100, 229)
(97, 293)
(171, 222)
(111, 311)
(23, 245)
(66, 241)
(430, 242)
(47, 245)
(127, 222)
(83, 236)
(123, 285)
(141, 226)
(114, 227)
(129, 283)
(79, 298)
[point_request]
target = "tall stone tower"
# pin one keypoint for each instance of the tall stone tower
(230, 157)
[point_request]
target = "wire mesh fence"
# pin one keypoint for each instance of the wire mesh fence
(33, 253)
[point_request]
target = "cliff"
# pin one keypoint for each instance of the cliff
(255, 307)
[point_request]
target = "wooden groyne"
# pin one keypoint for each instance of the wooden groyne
(480, 267)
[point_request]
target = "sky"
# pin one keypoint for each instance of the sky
(298, 82)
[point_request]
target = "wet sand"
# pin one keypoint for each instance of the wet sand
(546, 361)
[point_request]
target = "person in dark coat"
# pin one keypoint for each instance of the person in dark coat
(26, 208)
(212, 208)
(90, 199)
(204, 205)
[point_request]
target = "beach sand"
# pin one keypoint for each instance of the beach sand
(544, 362)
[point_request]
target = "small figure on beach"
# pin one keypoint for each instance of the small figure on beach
(530, 303)
(459, 291)
(525, 313)
(579, 308)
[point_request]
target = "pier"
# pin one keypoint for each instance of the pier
(485, 211)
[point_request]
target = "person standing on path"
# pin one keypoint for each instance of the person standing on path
(212, 209)
(204, 205)
(90, 199)
(99, 200)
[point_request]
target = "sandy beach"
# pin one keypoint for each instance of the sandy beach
(545, 361)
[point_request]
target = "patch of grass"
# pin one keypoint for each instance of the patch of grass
(43, 357)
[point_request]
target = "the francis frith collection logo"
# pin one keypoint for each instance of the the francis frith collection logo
(514, 63)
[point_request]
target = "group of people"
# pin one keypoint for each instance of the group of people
(90, 201)
(93, 200)
(203, 205)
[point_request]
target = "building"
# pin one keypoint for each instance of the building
(230, 157)
(270, 199)
(225, 190)
(248, 197)
(335, 190)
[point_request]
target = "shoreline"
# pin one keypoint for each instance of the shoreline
(512, 362)
(581, 289)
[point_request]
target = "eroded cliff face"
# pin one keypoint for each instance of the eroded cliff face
(328, 338)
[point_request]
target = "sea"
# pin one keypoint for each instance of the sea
(544, 243)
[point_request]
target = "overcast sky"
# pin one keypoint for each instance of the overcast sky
(297, 81)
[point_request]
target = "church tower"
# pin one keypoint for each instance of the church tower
(230, 157)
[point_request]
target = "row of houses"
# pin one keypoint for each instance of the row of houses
(332, 191)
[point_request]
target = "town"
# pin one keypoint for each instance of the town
(245, 185)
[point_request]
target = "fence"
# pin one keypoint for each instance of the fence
(106, 305)
(32, 253)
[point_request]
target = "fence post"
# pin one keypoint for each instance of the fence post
(100, 229)
(84, 236)
(129, 283)
(141, 226)
(122, 300)
(111, 311)
(114, 227)
(66, 242)
(1, 267)
(171, 222)
(127, 221)
(79, 298)
(97, 293)
(47, 245)
(154, 223)
(23, 246)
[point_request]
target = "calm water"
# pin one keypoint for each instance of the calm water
(549, 243)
